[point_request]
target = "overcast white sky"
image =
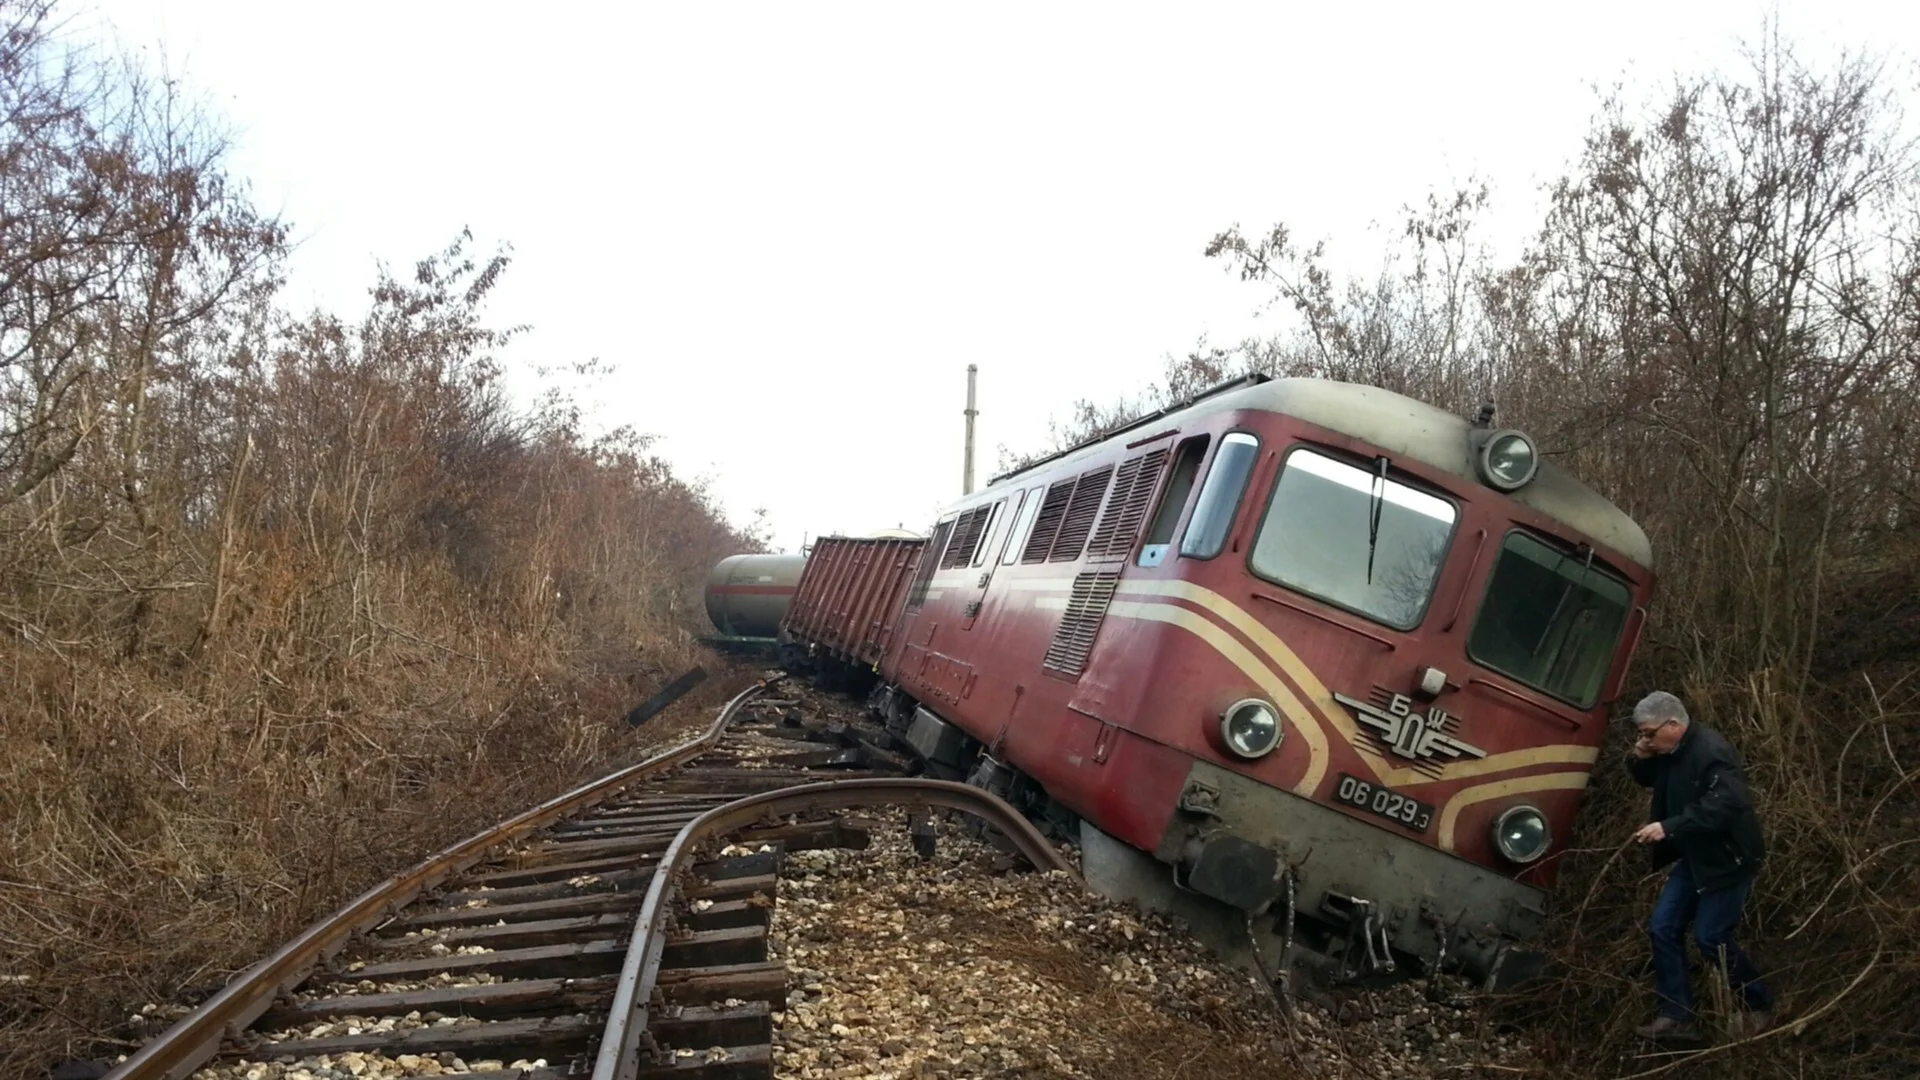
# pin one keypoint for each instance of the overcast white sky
(790, 227)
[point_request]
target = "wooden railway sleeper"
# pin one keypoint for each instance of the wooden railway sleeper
(552, 968)
(198, 1036)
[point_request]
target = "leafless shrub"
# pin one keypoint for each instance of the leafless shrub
(284, 603)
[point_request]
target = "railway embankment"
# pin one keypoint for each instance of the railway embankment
(904, 965)
(895, 942)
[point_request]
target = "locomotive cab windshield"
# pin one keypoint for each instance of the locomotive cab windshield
(1552, 619)
(1353, 538)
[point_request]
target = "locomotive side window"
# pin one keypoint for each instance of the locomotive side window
(994, 532)
(929, 561)
(1186, 469)
(1022, 524)
(1220, 496)
(1551, 619)
(1353, 538)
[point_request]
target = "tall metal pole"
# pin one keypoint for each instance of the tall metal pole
(967, 481)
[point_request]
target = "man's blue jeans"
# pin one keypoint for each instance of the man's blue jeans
(1712, 915)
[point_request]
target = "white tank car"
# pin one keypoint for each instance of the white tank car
(747, 595)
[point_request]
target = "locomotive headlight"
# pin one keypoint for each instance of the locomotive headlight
(1250, 728)
(1521, 834)
(1508, 460)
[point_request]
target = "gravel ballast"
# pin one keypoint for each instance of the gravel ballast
(952, 967)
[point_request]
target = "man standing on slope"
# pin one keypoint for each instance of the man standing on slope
(1704, 823)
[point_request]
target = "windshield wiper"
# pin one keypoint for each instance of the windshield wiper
(1377, 501)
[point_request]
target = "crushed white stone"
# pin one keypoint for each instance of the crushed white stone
(902, 968)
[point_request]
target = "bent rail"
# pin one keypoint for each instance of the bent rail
(620, 1046)
(176, 1052)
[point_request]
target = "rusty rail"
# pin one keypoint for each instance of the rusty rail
(176, 1052)
(620, 1047)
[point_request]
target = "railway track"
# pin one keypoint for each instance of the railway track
(600, 934)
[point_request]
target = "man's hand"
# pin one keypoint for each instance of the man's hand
(1650, 834)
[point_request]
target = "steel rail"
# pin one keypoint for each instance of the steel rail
(620, 1047)
(176, 1052)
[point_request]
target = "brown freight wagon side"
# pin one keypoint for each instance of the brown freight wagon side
(850, 595)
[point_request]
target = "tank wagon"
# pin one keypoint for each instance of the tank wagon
(747, 595)
(1336, 659)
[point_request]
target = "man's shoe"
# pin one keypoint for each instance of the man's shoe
(1665, 1027)
(1748, 1024)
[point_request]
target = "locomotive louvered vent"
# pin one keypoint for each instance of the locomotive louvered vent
(1047, 525)
(1087, 492)
(1073, 642)
(929, 560)
(967, 531)
(1132, 491)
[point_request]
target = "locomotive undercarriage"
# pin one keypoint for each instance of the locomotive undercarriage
(1383, 908)
(1237, 865)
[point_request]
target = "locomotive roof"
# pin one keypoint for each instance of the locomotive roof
(1404, 427)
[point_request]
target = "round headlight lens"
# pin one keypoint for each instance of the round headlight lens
(1508, 460)
(1521, 834)
(1250, 728)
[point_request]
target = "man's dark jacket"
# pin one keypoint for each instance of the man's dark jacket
(1700, 798)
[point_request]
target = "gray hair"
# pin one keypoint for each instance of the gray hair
(1658, 708)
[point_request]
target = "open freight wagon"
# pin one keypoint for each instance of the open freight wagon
(849, 593)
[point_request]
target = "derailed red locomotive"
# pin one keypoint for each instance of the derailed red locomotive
(1334, 658)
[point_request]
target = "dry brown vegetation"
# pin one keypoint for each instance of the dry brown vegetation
(279, 597)
(1718, 325)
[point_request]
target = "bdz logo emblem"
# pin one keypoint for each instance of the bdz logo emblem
(1419, 736)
